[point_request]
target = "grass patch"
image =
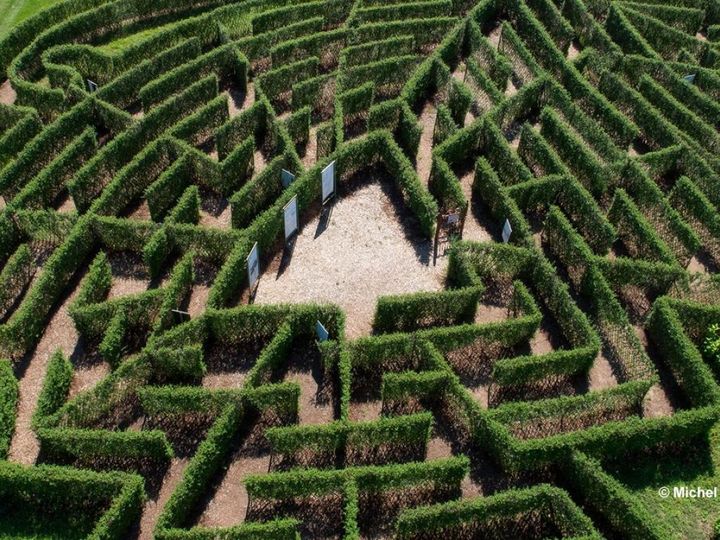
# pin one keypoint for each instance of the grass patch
(695, 466)
(124, 42)
(16, 11)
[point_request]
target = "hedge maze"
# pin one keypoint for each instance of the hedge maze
(563, 156)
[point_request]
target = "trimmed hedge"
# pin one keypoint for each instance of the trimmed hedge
(15, 277)
(107, 503)
(499, 516)
(56, 388)
(607, 496)
(409, 312)
(8, 406)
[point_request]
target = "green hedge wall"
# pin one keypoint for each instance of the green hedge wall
(107, 504)
(55, 389)
(8, 406)
(409, 312)
(499, 515)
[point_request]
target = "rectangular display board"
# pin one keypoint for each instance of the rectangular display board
(507, 231)
(290, 213)
(321, 331)
(287, 178)
(328, 182)
(253, 266)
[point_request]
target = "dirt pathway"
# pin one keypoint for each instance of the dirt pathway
(228, 505)
(424, 155)
(60, 334)
(240, 101)
(310, 156)
(154, 507)
(477, 222)
(7, 94)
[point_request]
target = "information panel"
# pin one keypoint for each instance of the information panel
(253, 266)
(507, 231)
(321, 331)
(290, 213)
(328, 182)
(287, 178)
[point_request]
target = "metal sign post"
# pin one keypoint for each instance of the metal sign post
(328, 183)
(253, 269)
(290, 213)
(507, 231)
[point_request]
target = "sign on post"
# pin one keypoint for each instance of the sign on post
(181, 316)
(92, 86)
(321, 331)
(328, 182)
(690, 79)
(507, 231)
(290, 212)
(453, 219)
(253, 266)
(287, 178)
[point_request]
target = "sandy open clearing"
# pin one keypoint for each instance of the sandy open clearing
(367, 250)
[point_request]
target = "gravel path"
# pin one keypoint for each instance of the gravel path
(364, 253)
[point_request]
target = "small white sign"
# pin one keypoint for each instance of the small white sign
(287, 178)
(507, 231)
(181, 316)
(690, 79)
(328, 182)
(321, 331)
(92, 86)
(290, 212)
(253, 266)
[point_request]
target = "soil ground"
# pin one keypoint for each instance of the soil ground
(424, 155)
(86, 377)
(601, 376)
(364, 250)
(316, 404)
(129, 275)
(479, 226)
(60, 334)
(215, 212)
(664, 397)
(365, 411)
(239, 101)
(228, 505)
(309, 155)
(7, 93)
(154, 506)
